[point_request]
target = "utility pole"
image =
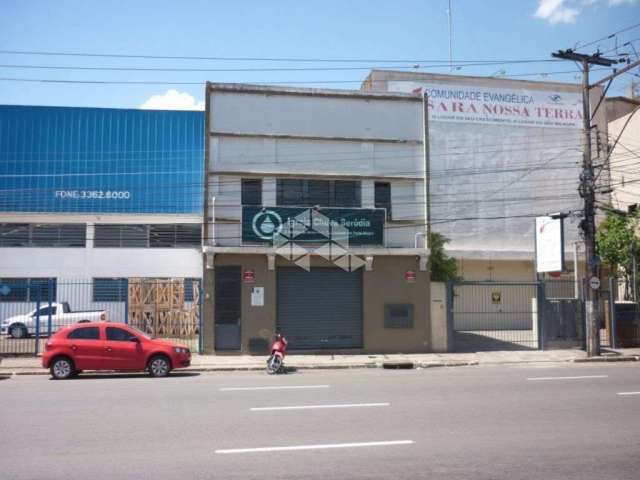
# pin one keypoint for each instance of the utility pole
(587, 192)
(449, 14)
(427, 171)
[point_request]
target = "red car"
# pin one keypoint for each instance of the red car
(110, 346)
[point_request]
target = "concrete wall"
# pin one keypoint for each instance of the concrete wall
(280, 111)
(86, 263)
(617, 107)
(625, 175)
(100, 262)
(496, 270)
(386, 284)
(440, 334)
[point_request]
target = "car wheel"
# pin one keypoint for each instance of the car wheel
(159, 366)
(61, 368)
(18, 331)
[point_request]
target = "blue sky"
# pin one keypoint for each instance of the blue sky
(404, 30)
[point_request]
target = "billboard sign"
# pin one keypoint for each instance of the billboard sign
(357, 226)
(549, 244)
(498, 106)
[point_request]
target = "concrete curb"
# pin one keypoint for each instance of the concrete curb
(625, 358)
(394, 365)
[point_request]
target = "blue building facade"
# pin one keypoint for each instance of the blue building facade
(101, 160)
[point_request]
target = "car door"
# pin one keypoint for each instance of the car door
(122, 352)
(87, 348)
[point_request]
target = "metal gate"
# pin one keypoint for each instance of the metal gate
(494, 315)
(321, 308)
(624, 314)
(486, 316)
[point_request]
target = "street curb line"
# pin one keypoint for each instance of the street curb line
(626, 358)
(382, 365)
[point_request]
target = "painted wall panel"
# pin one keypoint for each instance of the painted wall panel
(298, 156)
(95, 160)
(308, 115)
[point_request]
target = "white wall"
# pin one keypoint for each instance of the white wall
(100, 262)
(327, 157)
(280, 113)
(625, 174)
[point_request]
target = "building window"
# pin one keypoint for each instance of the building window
(347, 193)
(110, 289)
(188, 235)
(382, 196)
(43, 235)
(251, 191)
(168, 235)
(14, 235)
(28, 289)
(323, 193)
(121, 236)
(175, 235)
(398, 315)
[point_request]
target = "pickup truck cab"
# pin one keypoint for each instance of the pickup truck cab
(21, 326)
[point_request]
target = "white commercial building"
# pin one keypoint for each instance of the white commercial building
(502, 152)
(92, 198)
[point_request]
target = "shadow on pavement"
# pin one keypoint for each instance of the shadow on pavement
(481, 342)
(115, 376)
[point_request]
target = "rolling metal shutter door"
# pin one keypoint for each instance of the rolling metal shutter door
(321, 308)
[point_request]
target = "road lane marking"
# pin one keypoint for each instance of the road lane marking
(311, 407)
(580, 377)
(272, 387)
(628, 393)
(316, 447)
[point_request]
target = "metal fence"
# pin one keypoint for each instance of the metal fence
(486, 315)
(32, 310)
(624, 314)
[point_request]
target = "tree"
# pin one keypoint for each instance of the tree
(617, 244)
(443, 267)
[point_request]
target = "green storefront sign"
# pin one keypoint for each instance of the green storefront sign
(355, 226)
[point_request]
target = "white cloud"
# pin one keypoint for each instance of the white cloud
(556, 11)
(566, 11)
(172, 100)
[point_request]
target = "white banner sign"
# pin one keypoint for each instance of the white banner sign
(549, 245)
(518, 107)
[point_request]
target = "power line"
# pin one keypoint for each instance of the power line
(290, 82)
(607, 37)
(259, 59)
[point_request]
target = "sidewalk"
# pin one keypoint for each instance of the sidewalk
(206, 363)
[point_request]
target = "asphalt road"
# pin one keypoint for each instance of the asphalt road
(560, 421)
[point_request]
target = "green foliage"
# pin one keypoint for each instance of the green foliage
(617, 242)
(443, 267)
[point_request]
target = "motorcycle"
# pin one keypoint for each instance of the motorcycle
(275, 363)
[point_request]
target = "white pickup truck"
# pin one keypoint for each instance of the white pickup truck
(21, 326)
